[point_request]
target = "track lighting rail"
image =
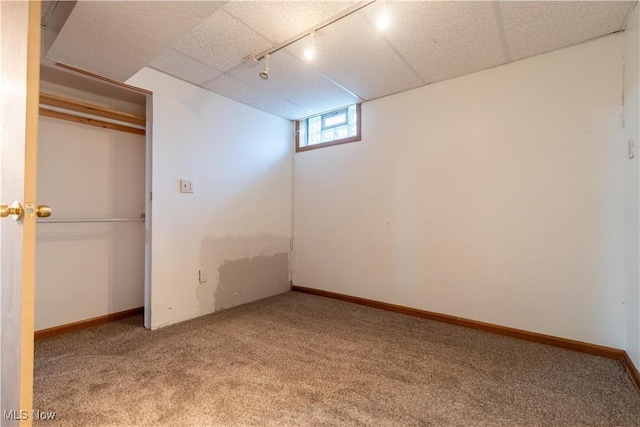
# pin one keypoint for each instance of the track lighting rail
(305, 33)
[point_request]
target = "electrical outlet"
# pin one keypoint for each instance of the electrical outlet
(186, 186)
(202, 275)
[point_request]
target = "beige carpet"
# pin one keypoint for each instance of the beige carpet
(298, 359)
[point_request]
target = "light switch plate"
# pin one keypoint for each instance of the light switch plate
(186, 186)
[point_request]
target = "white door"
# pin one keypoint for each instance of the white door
(19, 81)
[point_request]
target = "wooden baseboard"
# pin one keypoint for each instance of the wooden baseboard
(82, 324)
(598, 350)
(632, 370)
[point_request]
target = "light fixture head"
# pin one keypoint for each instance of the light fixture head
(384, 21)
(310, 51)
(264, 74)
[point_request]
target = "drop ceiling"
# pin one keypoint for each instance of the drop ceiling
(206, 43)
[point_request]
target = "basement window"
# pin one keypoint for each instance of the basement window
(330, 128)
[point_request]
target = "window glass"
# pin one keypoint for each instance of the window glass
(330, 128)
(334, 119)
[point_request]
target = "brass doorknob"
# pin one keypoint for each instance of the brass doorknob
(15, 211)
(43, 211)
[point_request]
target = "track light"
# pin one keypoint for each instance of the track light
(383, 20)
(310, 51)
(264, 74)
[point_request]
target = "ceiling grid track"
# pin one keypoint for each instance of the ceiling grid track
(237, 18)
(394, 49)
(196, 60)
(339, 85)
(501, 30)
(253, 86)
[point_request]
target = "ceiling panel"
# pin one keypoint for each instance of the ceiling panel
(532, 28)
(256, 97)
(116, 39)
(352, 53)
(177, 64)
(428, 41)
(295, 81)
(280, 20)
(442, 40)
(222, 41)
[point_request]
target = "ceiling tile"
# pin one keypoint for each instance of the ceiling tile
(535, 27)
(280, 20)
(177, 64)
(222, 41)
(427, 41)
(296, 82)
(442, 40)
(353, 54)
(116, 39)
(256, 97)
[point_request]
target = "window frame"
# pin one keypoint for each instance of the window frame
(357, 137)
(324, 117)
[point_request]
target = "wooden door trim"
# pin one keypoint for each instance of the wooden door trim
(30, 179)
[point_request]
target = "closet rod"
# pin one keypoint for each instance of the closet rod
(85, 220)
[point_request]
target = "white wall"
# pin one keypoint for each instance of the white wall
(88, 270)
(496, 197)
(238, 220)
(632, 186)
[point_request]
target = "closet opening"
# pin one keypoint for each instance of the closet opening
(94, 152)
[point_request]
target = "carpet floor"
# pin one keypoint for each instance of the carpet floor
(297, 359)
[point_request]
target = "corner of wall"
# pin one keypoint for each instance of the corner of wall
(631, 114)
(235, 227)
